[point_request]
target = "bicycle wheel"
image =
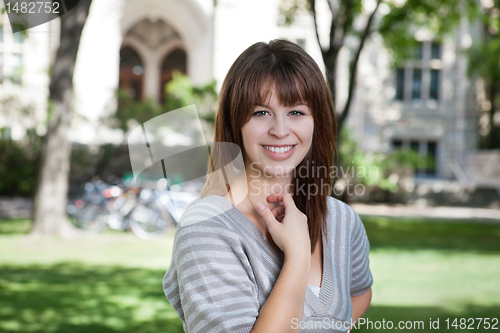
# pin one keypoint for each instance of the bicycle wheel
(90, 218)
(147, 222)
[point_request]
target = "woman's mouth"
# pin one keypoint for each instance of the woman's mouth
(279, 150)
(279, 153)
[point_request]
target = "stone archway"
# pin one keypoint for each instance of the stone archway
(131, 73)
(149, 37)
(176, 60)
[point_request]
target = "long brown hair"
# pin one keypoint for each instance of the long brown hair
(297, 78)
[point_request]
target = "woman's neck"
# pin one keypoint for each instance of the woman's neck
(258, 186)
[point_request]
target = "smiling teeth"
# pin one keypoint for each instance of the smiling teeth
(278, 149)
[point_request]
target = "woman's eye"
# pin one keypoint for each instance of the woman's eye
(296, 113)
(259, 113)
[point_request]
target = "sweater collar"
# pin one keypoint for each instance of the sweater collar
(318, 305)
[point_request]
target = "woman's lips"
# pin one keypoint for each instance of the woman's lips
(279, 156)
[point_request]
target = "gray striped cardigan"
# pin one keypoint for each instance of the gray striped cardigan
(223, 269)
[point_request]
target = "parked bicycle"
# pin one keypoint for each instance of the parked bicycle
(149, 211)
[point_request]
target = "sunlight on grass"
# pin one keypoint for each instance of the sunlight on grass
(71, 297)
(430, 277)
(123, 249)
(112, 282)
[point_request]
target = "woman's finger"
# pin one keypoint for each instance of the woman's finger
(282, 197)
(278, 211)
(267, 216)
(274, 198)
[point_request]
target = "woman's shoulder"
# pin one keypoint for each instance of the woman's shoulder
(207, 218)
(213, 208)
(340, 213)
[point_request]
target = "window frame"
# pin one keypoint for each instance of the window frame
(430, 77)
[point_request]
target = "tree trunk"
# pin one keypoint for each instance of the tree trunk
(52, 188)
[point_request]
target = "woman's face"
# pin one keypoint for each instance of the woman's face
(277, 138)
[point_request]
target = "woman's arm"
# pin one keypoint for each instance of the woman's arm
(286, 300)
(362, 280)
(360, 304)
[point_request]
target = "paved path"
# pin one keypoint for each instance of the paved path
(16, 207)
(22, 208)
(442, 212)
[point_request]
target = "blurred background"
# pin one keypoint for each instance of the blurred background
(416, 86)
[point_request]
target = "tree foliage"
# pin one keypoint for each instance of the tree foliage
(484, 62)
(19, 163)
(392, 171)
(130, 112)
(437, 18)
(180, 92)
(353, 22)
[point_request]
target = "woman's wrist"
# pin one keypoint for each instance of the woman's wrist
(300, 260)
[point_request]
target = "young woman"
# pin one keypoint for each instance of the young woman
(271, 251)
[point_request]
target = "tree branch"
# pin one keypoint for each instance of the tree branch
(312, 4)
(333, 10)
(354, 66)
(344, 10)
(335, 17)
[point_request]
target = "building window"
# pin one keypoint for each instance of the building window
(17, 68)
(433, 93)
(427, 150)
(419, 51)
(424, 71)
(436, 51)
(1, 67)
(414, 146)
(431, 158)
(416, 92)
(174, 61)
(301, 42)
(18, 37)
(1, 33)
(400, 84)
(131, 73)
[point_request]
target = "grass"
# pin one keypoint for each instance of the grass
(433, 270)
(111, 282)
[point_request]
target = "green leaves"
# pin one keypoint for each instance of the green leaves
(129, 110)
(180, 92)
(436, 18)
(389, 171)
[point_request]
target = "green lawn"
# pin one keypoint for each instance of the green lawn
(112, 282)
(433, 269)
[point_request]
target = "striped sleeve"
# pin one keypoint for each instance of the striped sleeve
(209, 285)
(361, 279)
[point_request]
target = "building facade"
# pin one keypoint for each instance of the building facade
(428, 105)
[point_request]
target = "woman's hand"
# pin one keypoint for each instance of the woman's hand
(290, 233)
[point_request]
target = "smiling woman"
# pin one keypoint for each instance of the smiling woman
(287, 256)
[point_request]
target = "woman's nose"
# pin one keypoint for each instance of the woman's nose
(279, 128)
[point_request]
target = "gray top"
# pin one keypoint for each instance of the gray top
(223, 268)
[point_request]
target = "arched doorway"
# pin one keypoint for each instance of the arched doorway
(131, 73)
(175, 60)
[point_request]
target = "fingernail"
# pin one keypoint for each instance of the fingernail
(260, 206)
